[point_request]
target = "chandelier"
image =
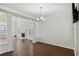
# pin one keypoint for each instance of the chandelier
(41, 18)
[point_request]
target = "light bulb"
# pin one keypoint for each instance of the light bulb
(42, 18)
(37, 19)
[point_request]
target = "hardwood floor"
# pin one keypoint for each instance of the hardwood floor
(42, 49)
(27, 48)
(21, 47)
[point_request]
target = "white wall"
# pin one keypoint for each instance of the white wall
(35, 31)
(3, 22)
(4, 36)
(21, 25)
(25, 26)
(77, 38)
(58, 29)
(7, 46)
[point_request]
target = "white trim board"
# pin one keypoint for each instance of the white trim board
(51, 43)
(14, 12)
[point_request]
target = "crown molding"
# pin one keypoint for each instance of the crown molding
(16, 13)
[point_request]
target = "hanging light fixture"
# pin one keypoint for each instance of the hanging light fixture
(41, 18)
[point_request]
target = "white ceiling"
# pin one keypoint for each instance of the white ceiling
(33, 9)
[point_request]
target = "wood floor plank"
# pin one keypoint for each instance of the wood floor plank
(42, 49)
(27, 48)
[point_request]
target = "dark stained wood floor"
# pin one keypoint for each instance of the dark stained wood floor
(27, 48)
(42, 49)
(21, 47)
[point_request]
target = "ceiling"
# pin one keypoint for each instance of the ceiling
(33, 9)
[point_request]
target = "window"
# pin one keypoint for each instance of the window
(2, 28)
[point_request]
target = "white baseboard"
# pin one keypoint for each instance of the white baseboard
(34, 41)
(47, 42)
